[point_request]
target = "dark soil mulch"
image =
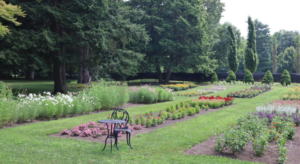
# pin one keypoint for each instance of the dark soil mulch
(248, 154)
(143, 130)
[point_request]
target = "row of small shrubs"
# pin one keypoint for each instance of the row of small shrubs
(248, 78)
(179, 87)
(147, 94)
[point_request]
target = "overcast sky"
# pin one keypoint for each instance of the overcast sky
(278, 14)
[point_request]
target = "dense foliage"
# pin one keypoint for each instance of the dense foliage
(214, 78)
(147, 94)
(251, 59)
(248, 78)
(231, 77)
(232, 57)
(268, 78)
(285, 78)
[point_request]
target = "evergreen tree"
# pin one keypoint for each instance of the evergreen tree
(286, 60)
(231, 77)
(232, 57)
(268, 78)
(285, 78)
(251, 59)
(180, 34)
(297, 54)
(214, 78)
(8, 13)
(263, 46)
(248, 78)
(274, 54)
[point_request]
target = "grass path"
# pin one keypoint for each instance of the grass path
(30, 143)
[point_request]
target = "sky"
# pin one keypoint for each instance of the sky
(278, 14)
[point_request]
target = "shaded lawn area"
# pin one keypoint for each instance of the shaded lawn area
(30, 143)
(34, 86)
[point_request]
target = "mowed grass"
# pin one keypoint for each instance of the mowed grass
(30, 143)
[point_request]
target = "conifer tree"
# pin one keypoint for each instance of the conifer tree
(232, 56)
(214, 78)
(231, 77)
(251, 59)
(248, 78)
(268, 78)
(274, 54)
(297, 54)
(285, 78)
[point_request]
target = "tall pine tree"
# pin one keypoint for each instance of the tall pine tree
(251, 59)
(297, 54)
(232, 56)
(274, 54)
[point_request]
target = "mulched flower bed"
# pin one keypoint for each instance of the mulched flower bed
(143, 130)
(248, 154)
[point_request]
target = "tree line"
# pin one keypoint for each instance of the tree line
(95, 38)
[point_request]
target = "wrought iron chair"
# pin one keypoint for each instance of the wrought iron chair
(121, 114)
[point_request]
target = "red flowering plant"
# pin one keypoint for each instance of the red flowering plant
(227, 100)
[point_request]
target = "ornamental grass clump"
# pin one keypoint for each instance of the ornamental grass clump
(148, 94)
(108, 94)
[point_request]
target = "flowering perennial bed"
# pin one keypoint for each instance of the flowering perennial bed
(26, 107)
(195, 93)
(250, 93)
(292, 94)
(280, 107)
(178, 87)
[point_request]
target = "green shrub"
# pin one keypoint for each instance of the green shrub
(197, 109)
(268, 78)
(248, 78)
(130, 121)
(214, 78)
(148, 122)
(143, 121)
(177, 106)
(7, 114)
(231, 77)
(168, 115)
(137, 121)
(285, 78)
(174, 116)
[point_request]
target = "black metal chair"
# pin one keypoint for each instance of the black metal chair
(121, 114)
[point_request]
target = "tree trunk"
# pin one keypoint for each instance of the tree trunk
(59, 69)
(167, 79)
(83, 72)
(31, 75)
(160, 76)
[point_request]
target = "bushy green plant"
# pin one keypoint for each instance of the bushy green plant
(248, 78)
(174, 116)
(181, 104)
(168, 115)
(231, 77)
(177, 106)
(151, 112)
(260, 143)
(148, 122)
(179, 115)
(143, 121)
(183, 114)
(233, 139)
(214, 78)
(7, 114)
(268, 78)
(285, 78)
(137, 121)
(130, 121)
(197, 109)
(168, 109)
(154, 121)
(109, 94)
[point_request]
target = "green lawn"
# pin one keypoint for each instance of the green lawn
(30, 143)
